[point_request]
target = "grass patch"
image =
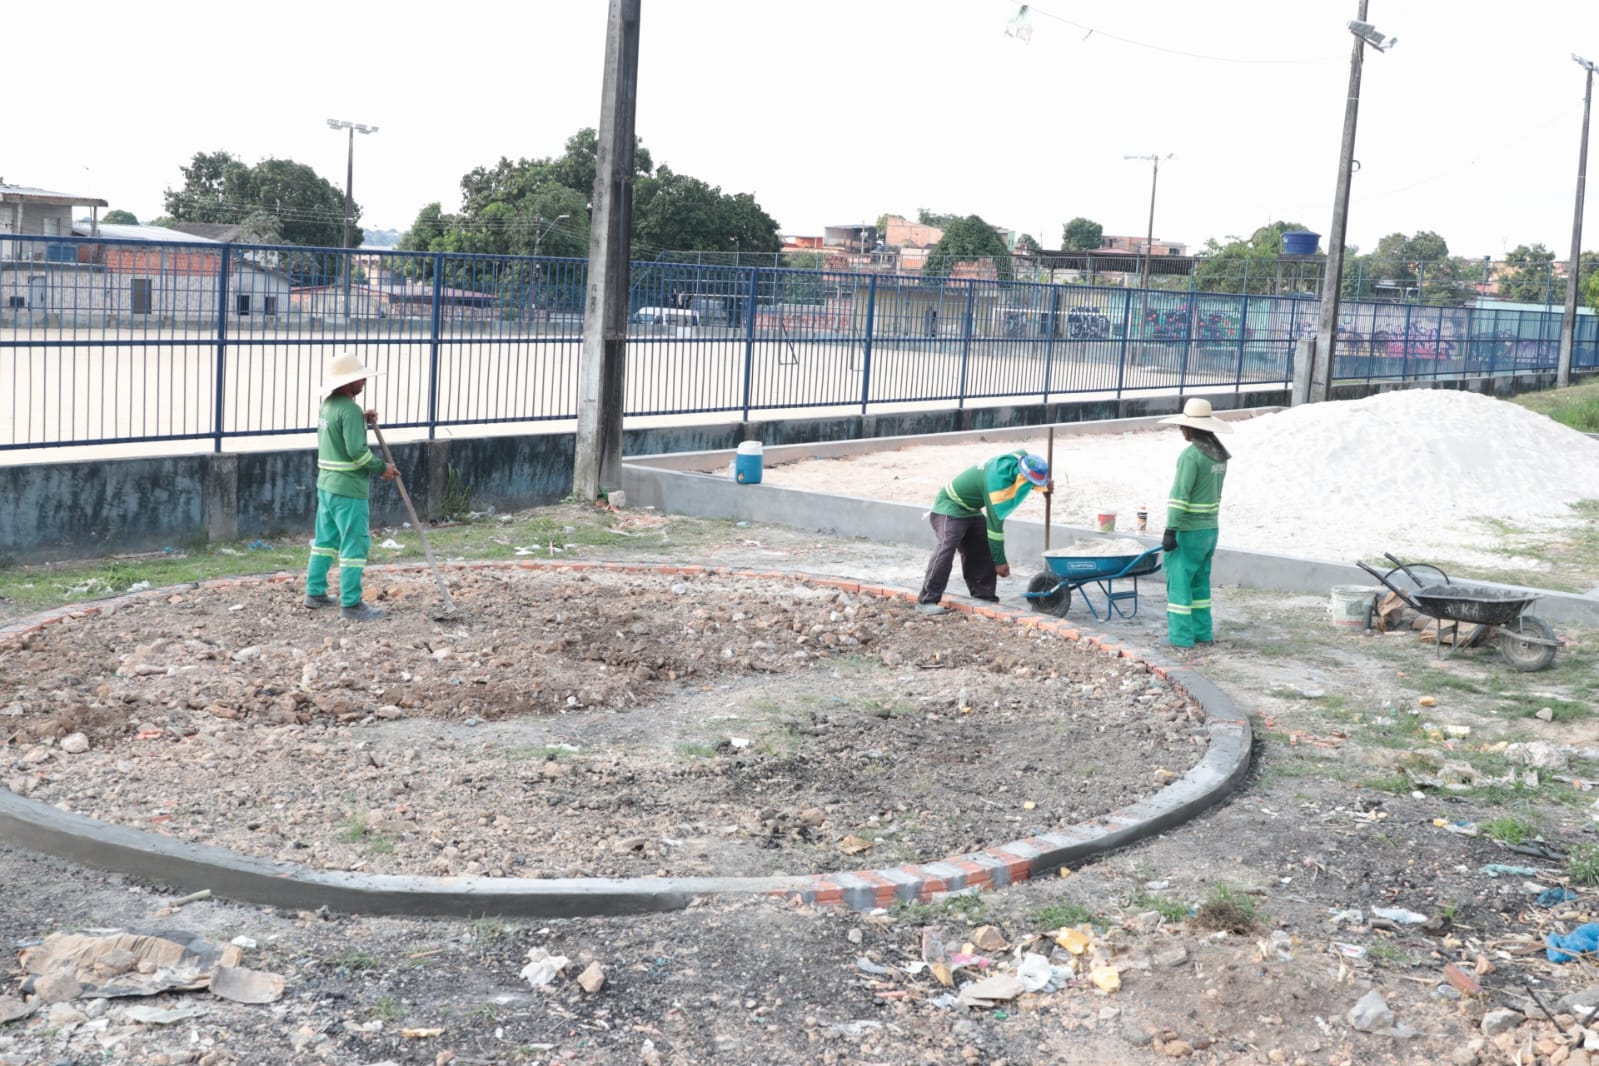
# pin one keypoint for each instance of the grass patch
(386, 1008)
(1397, 784)
(354, 961)
(1582, 864)
(1170, 909)
(486, 930)
(1509, 829)
(1576, 406)
(968, 906)
(1064, 915)
(1227, 910)
(693, 749)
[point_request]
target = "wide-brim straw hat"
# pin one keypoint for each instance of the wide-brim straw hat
(1197, 415)
(343, 370)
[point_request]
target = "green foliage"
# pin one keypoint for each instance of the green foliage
(677, 212)
(1582, 864)
(933, 218)
(967, 905)
(1508, 829)
(119, 217)
(1026, 244)
(1082, 235)
(456, 502)
(1226, 910)
(1061, 915)
(307, 209)
(1577, 406)
(1243, 264)
(1170, 909)
(968, 239)
(1527, 275)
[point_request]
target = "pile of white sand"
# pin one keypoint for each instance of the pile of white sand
(1427, 474)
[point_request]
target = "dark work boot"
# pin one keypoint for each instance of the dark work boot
(361, 612)
(323, 600)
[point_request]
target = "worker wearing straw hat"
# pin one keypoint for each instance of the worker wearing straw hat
(345, 468)
(1192, 520)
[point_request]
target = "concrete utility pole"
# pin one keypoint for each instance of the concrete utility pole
(1568, 321)
(597, 461)
(1149, 238)
(1321, 373)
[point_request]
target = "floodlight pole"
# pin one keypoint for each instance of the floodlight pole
(1321, 374)
(1568, 320)
(349, 201)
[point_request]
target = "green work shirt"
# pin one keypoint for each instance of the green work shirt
(345, 465)
(1195, 501)
(996, 488)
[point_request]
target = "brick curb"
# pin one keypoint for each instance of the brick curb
(40, 827)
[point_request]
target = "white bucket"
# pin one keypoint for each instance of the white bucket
(1352, 606)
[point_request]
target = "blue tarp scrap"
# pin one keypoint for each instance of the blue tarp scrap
(1549, 897)
(1582, 940)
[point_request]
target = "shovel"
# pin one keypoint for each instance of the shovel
(416, 523)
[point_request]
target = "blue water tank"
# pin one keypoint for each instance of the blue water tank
(1300, 242)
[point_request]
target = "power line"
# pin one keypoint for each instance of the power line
(1094, 31)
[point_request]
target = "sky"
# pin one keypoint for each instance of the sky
(837, 111)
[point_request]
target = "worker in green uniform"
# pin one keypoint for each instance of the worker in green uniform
(345, 468)
(1192, 520)
(968, 518)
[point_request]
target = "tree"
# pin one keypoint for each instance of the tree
(677, 212)
(308, 209)
(1528, 275)
(1245, 264)
(119, 217)
(934, 219)
(1027, 245)
(966, 240)
(1081, 235)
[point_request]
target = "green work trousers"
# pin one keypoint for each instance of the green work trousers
(343, 532)
(1188, 587)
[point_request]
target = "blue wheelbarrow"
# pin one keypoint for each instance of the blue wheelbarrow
(1051, 591)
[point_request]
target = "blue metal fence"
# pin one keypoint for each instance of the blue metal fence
(107, 341)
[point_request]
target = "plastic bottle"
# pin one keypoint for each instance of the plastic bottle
(1143, 518)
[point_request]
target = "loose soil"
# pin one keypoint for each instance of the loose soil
(1343, 812)
(582, 724)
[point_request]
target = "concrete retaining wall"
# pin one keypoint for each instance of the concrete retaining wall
(76, 509)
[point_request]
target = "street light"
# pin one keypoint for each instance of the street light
(1154, 177)
(1568, 321)
(538, 235)
(349, 190)
(1319, 383)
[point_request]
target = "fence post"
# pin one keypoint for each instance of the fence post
(1243, 338)
(1404, 344)
(1127, 325)
(1052, 324)
(435, 328)
(966, 342)
(749, 339)
(222, 347)
(866, 346)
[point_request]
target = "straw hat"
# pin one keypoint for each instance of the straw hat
(341, 371)
(1197, 415)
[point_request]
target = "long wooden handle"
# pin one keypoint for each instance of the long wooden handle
(1049, 497)
(416, 523)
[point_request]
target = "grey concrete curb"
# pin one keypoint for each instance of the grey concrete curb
(40, 827)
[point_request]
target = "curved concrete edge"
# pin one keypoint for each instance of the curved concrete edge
(39, 827)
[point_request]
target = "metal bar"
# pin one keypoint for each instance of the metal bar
(217, 430)
(751, 301)
(966, 343)
(435, 325)
(866, 346)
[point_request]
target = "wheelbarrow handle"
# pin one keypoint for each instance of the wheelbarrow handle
(1395, 588)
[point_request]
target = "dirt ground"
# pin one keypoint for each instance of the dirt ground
(1386, 782)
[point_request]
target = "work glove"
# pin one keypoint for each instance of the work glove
(1168, 540)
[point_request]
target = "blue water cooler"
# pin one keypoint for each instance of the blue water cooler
(747, 464)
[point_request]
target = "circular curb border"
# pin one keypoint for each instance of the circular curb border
(39, 827)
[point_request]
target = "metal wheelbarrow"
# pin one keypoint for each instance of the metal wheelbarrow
(1526, 641)
(1051, 590)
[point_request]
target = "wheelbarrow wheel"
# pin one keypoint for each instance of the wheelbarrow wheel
(1524, 655)
(1055, 602)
